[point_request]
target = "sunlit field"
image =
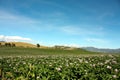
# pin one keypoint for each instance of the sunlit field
(51, 64)
(21, 51)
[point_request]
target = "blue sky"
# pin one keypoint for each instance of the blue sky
(61, 22)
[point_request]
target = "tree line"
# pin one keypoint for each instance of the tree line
(13, 45)
(8, 44)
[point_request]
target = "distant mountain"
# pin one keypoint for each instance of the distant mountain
(101, 50)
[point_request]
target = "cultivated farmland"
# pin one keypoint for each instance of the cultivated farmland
(55, 64)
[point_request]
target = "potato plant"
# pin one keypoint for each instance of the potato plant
(60, 68)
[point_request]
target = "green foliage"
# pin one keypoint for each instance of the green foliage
(60, 68)
(38, 45)
(20, 51)
(17, 63)
(7, 45)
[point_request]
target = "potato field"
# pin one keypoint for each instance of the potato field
(103, 67)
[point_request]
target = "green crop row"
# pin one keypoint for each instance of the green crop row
(60, 68)
(20, 51)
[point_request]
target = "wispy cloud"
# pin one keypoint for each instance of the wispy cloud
(81, 30)
(71, 30)
(13, 38)
(96, 40)
(105, 15)
(7, 17)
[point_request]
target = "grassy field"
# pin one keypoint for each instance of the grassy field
(21, 51)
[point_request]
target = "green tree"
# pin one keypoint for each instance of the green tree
(13, 45)
(8, 44)
(38, 45)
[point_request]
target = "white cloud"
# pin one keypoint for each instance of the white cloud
(2, 37)
(71, 30)
(13, 38)
(83, 30)
(96, 40)
(7, 17)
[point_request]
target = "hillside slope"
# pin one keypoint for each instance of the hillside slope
(102, 50)
(22, 44)
(21, 51)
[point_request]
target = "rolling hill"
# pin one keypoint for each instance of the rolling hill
(101, 50)
(22, 44)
